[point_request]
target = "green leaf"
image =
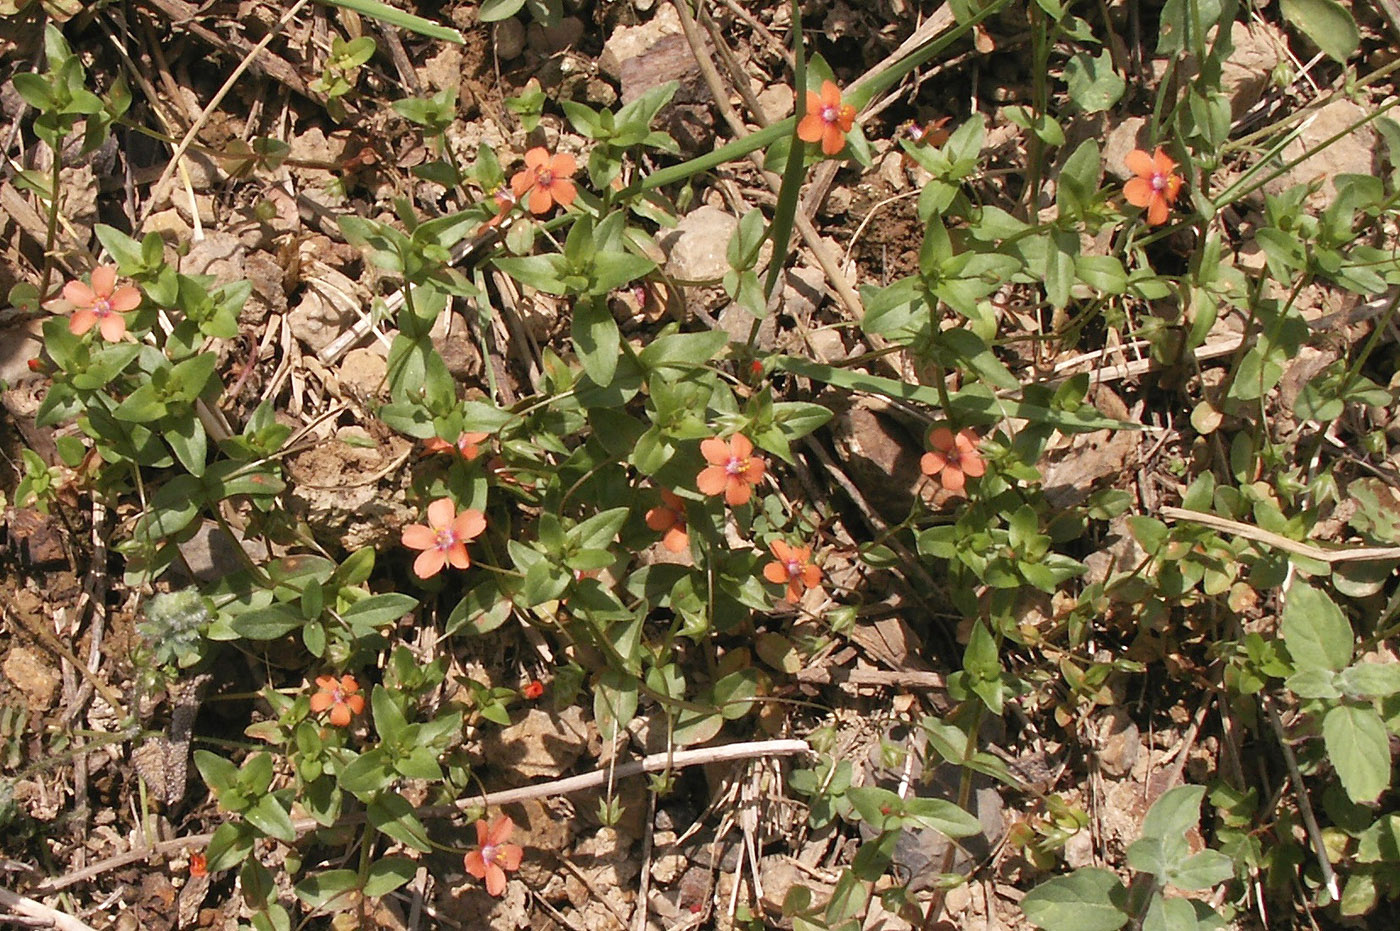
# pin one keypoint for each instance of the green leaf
(387, 874)
(391, 814)
(367, 774)
(387, 14)
(1317, 634)
(496, 10)
(1093, 84)
(327, 887)
(1365, 680)
(1325, 22)
(1202, 870)
(1359, 748)
(1089, 899)
(218, 773)
(597, 340)
(272, 819)
(379, 610)
(268, 623)
(942, 815)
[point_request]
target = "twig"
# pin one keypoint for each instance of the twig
(1277, 541)
(22, 905)
(1329, 878)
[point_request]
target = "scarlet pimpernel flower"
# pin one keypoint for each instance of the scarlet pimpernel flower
(101, 303)
(1156, 185)
(545, 179)
(468, 445)
(339, 696)
(792, 566)
(668, 519)
(733, 469)
(954, 458)
(532, 689)
(494, 856)
(444, 539)
(827, 120)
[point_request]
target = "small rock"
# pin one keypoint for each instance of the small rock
(219, 254)
(696, 248)
(1122, 139)
(27, 671)
(454, 343)
(443, 71)
(670, 59)
(324, 311)
(550, 40)
(778, 876)
(1259, 47)
(509, 37)
(627, 42)
(776, 102)
(209, 555)
(1119, 743)
(169, 224)
(540, 744)
(363, 371)
(738, 323)
(881, 456)
(19, 343)
(1353, 153)
(39, 535)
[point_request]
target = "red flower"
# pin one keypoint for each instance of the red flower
(341, 697)
(468, 445)
(444, 539)
(532, 689)
(827, 120)
(733, 469)
(668, 518)
(953, 458)
(1155, 186)
(199, 865)
(495, 856)
(546, 180)
(101, 303)
(792, 566)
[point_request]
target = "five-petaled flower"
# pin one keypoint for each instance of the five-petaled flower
(101, 303)
(546, 180)
(1155, 186)
(953, 459)
(494, 856)
(340, 696)
(468, 445)
(532, 689)
(827, 120)
(792, 566)
(668, 519)
(733, 469)
(444, 539)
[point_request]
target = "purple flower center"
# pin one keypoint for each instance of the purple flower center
(794, 568)
(1159, 181)
(736, 466)
(445, 538)
(830, 112)
(102, 306)
(544, 177)
(488, 853)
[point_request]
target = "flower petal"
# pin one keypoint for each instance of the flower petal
(660, 518)
(1162, 162)
(676, 539)
(1140, 163)
(509, 856)
(521, 181)
(441, 513)
(126, 298)
(537, 158)
(563, 165)
(469, 524)
(418, 537)
(112, 327)
(563, 191)
(812, 126)
(831, 94)
(741, 446)
(942, 439)
(715, 451)
(495, 880)
(952, 478)
(776, 573)
(933, 463)
(499, 830)
(457, 555)
(429, 563)
(81, 321)
(811, 575)
(475, 865)
(79, 294)
(781, 551)
(104, 278)
(833, 140)
(356, 703)
(712, 481)
(1138, 192)
(340, 715)
(1158, 212)
(737, 493)
(973, 465)
(540, 201)
(482, 832)
(321, 701)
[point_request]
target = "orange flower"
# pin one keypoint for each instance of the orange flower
(733, 469)
(1155, 186)
(101, 303)
(792, 566)
(546, 180)
(199, 865)
(532, 689)
(444, 539)
(495, 856)
(340, 697)
(954, 457)
(468, 446)
(827, 120)
(668, 518)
